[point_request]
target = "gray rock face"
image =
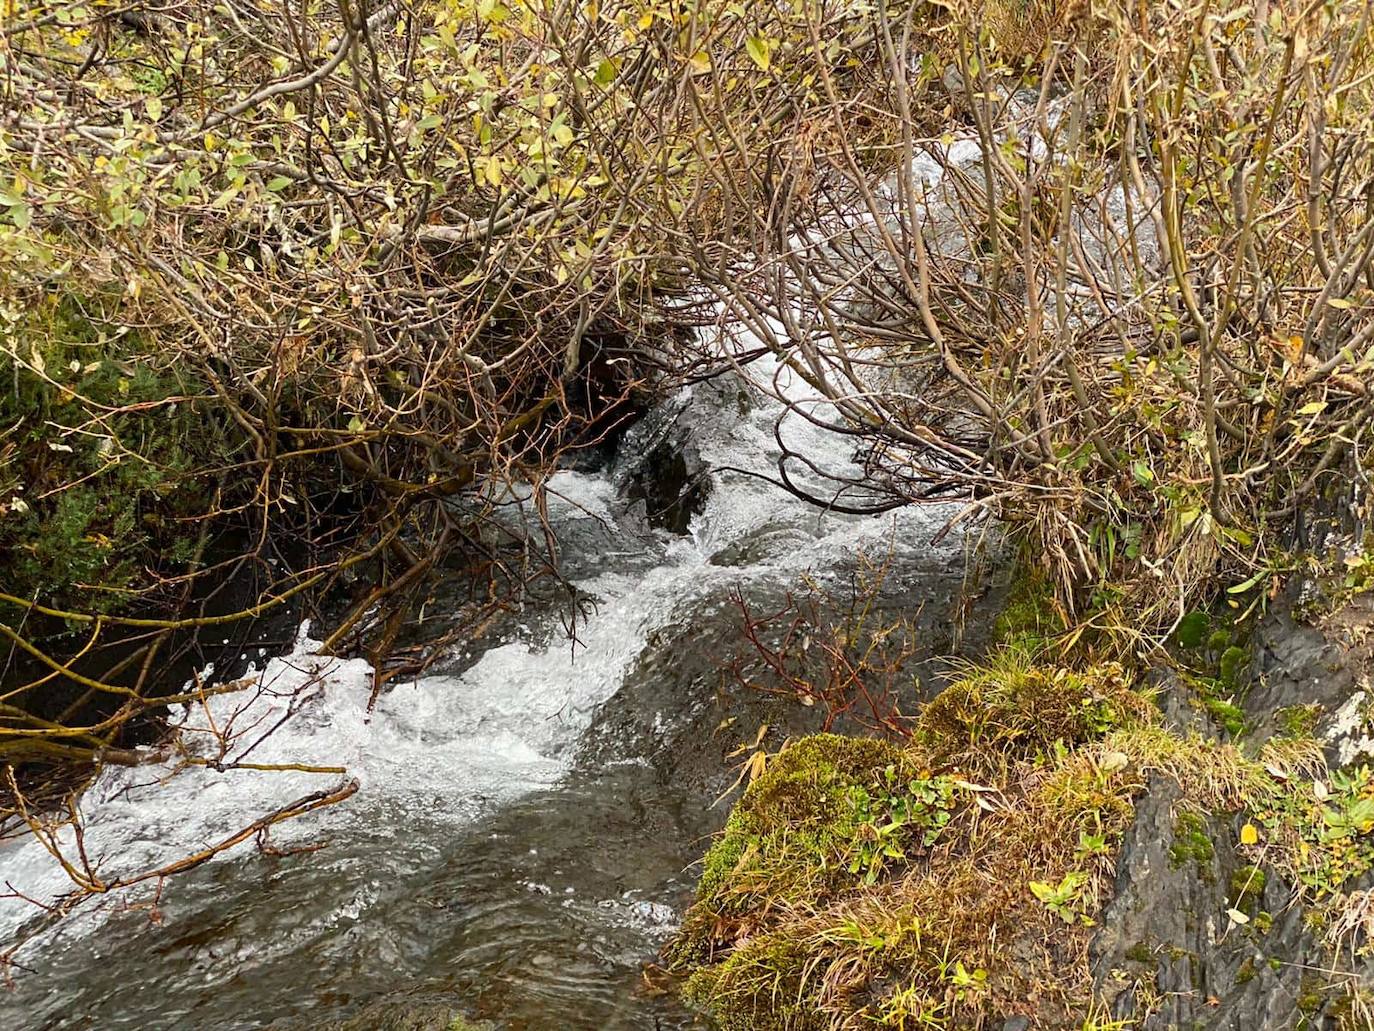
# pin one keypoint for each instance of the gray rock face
(1166, 944)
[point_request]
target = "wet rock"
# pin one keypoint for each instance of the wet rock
(672, 484)
(683, 714)
(1300, 665)
(661, 469)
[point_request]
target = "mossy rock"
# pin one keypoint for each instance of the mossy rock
(791, 834)
(1191, 844)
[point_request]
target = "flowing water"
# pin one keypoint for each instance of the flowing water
(527, 815)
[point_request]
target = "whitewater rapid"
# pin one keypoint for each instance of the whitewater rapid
(447, 748)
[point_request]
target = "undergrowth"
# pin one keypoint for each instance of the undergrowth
(102, 457)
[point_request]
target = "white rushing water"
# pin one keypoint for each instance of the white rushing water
(452, 747)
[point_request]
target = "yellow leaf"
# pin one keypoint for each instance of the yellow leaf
(1249, 835)
(494, 171)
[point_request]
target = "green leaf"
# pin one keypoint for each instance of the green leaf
(278, 184)
(760, 51)
(222, 201)
(605, 73)
(1248, 584)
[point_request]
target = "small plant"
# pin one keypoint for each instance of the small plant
(1327, 827)
(1090, 845)
(894, 813)
(1064, 899)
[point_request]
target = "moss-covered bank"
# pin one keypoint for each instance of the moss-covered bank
(955, 880)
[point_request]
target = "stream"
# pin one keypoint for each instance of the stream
(522, 841)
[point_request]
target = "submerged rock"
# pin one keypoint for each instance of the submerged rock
(409, 1012)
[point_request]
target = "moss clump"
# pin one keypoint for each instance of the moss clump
(819, 807)
(1297, 721)
(1231, 666)
(775, 969)
(807, 919)
(1218, 701)
(789, 932)
(1312, 996)
(1029, 616)
(1191, 844)
(1227, 715)
(1141, 952)
(1247, 888)
(1016, 706)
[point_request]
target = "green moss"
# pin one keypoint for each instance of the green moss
(1229, 716)
(1191, 844)
(800, 828)
(1141, 952)
(1192, 630)
(1247, 888)
(756, 988)
(1219, 702)
(790, 931)
(1029, 615)
(1311, 995)
(1247, 972)
(1297, 721)
(791, 927)
(1015, 705)
(1232, 665)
